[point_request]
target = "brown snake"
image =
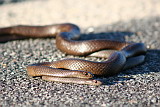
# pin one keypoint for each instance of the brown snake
(121, 55)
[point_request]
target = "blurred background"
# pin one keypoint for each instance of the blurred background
(84, 13)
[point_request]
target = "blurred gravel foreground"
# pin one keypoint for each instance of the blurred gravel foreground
(130, 20)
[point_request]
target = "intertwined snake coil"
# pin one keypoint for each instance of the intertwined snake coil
(121, 55)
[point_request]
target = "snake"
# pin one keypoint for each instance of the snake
(120, 55)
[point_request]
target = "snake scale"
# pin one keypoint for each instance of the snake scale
(120, 55)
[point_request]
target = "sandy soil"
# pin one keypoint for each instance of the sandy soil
(85, 13)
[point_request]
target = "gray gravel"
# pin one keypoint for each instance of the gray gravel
(139, 86)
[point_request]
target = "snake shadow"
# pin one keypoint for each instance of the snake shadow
(151, 65)
(120, 36)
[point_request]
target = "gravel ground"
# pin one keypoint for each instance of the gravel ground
(139, 86)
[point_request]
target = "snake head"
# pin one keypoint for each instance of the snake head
(93, 82)
(84, 74)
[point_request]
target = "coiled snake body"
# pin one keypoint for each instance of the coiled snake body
(121, 55)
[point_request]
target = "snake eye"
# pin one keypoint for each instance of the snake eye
(87, 75)
(95, 81)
